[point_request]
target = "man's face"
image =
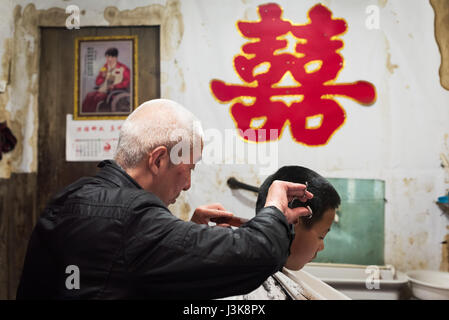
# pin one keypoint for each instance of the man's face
(177, 178)
(308, 242)
(110, 60)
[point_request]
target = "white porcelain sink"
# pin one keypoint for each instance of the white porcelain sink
(361, 282)
(429, 285)
(312, 287)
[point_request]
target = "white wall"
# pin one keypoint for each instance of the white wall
(398, 139)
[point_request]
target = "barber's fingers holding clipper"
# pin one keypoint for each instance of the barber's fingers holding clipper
(282, 192)
(211, 212)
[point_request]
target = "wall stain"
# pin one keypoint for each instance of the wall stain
(445, 152)
(169, 17)
(148, 15)
(420, 238)
(407, 181)
(390, 66)
(422, 217)
(445, 254)
(382, 3)
(404, 258)
(181, 77)
(441, 9)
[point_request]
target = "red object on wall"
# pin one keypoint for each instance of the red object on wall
(314, 66)
(107, 147)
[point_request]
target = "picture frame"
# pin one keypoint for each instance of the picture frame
(106, 77)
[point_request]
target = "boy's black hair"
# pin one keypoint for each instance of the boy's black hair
(324, 194)
(112, 52)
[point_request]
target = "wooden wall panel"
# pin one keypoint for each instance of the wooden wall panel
(17, 211)
(4, 222)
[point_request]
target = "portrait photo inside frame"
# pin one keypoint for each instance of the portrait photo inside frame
(105, 77)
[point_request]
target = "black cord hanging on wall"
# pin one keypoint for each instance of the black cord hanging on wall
(7, 140)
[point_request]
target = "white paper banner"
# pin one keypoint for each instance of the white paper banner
(91, 140)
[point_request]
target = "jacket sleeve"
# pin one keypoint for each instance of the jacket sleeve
(170, 258)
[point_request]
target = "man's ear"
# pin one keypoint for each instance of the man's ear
(158, 159)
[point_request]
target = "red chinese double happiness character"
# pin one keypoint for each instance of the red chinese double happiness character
(313, 114)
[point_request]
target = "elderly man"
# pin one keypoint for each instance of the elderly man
(111, 236)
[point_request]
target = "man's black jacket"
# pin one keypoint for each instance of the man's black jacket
(126, 244)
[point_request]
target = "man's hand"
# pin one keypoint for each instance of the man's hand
(204, 214)
(282, 192)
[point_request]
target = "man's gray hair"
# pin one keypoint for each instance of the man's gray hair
(155, 123)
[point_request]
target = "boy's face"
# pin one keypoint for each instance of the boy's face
(308, 242)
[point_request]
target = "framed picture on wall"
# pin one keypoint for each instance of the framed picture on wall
(105, 77)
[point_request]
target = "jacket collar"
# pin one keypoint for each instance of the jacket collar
(111, 171)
